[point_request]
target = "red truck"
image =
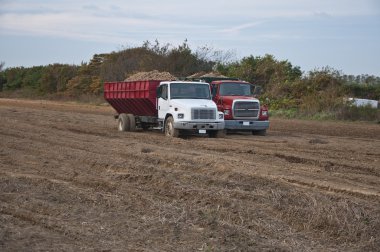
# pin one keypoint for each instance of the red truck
(242, 110)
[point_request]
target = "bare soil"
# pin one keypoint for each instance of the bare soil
(70, 181)
(152, 75)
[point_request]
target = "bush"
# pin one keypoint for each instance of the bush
(344, 112)
(279, 103)
(354, 113)
(285, 113)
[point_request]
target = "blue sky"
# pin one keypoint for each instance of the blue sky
(343, 34)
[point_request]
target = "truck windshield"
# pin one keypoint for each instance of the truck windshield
(189, 91)
(237, 89)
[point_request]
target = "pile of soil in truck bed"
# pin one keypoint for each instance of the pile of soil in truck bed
(152, 75)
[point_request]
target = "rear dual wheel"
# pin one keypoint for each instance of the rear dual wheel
(126, 122)
(123, 122)
(132, 122)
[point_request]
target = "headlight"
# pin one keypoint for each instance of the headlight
(226, 112)
(221, 116)
(264, 113)
(180, 116)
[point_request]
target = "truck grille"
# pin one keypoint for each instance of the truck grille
(203, 114)
(246, 109)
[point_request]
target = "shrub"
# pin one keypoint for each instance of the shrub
(354, 113)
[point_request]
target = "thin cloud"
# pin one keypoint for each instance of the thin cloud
(237, 29)
(170, 12)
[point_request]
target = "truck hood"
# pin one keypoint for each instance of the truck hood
(188, 103)
(229, 99)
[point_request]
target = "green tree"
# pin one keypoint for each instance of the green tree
(273, 75)
(14, 78)
(2, 76)
(322, 90)
(32, 77)
(78, 85)
(55, 77)
(180, 61)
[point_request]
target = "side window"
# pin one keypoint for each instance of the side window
(164, 92)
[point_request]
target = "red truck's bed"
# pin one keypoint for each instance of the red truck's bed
(132, 97)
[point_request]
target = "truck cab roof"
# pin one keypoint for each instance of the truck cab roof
(186, 82)
(229, 81)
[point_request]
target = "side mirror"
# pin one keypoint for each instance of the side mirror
(159, 91)
(257, 91)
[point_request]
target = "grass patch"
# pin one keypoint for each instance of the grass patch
(347, 113)
(353, 113)
(35, 95)
(285, 113)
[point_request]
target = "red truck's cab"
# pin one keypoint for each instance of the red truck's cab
(242, 110)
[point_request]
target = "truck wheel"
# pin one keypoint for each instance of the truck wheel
(259, 132)
(123, 122)
(132, 122)
(169, 128)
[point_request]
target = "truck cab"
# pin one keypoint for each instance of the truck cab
(242, 110)
(187, 106)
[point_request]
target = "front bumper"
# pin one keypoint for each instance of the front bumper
(199, 125)
(246, 125)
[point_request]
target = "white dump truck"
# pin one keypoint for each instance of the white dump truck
(175, 107)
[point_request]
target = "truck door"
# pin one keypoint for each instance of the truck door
(163, 102)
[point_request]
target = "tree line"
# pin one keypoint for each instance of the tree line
(284, 85)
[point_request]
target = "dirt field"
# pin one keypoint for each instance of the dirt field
(70, 181)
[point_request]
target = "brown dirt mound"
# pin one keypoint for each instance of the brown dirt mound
(152, 75)
(214, 74)
(197, 75)
(204, 74)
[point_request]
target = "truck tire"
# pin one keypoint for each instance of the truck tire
(123, 122)
(259, 132)
(217, 134)
(169, 128)
(132, 122)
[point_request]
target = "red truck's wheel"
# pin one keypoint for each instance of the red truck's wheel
(123, 123)
(169, 128)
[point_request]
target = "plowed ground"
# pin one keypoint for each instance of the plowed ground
(70, 181)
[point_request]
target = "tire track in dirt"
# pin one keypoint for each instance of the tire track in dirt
(329, 166)
(361, 194)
